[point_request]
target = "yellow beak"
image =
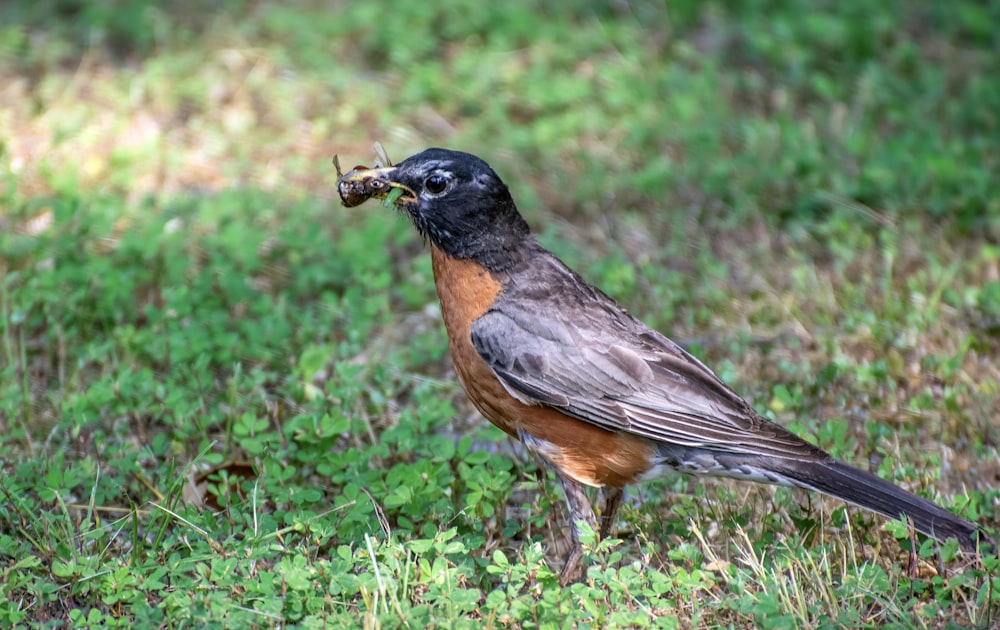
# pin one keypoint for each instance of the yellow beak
(361, 184)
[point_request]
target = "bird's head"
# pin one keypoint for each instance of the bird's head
(456, 201)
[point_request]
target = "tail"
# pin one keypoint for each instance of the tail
(837, 479)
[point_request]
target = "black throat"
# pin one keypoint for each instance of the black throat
(497, 238)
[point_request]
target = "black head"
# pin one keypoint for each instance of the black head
(458, 203)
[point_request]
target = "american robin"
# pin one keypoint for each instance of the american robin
(605, 400)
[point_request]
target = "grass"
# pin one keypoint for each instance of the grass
(226, 401)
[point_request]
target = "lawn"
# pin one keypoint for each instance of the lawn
(226, 400)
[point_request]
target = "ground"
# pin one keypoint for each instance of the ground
(226, 400)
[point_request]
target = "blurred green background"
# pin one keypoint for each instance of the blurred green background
(215, 382)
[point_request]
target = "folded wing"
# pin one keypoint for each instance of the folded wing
(620, 375)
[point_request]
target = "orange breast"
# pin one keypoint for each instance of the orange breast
(589, 454)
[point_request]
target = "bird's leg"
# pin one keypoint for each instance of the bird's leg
(612, 501)
(579, 510)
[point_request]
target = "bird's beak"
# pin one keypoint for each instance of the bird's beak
(361, 184)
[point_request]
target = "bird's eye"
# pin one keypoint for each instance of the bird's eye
(436, 184)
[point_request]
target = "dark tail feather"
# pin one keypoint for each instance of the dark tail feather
(865, 490)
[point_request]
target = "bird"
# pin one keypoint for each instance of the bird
(603, 399)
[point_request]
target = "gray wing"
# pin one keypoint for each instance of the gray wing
(605, 367)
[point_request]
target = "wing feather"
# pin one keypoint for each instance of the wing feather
(611, 370)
